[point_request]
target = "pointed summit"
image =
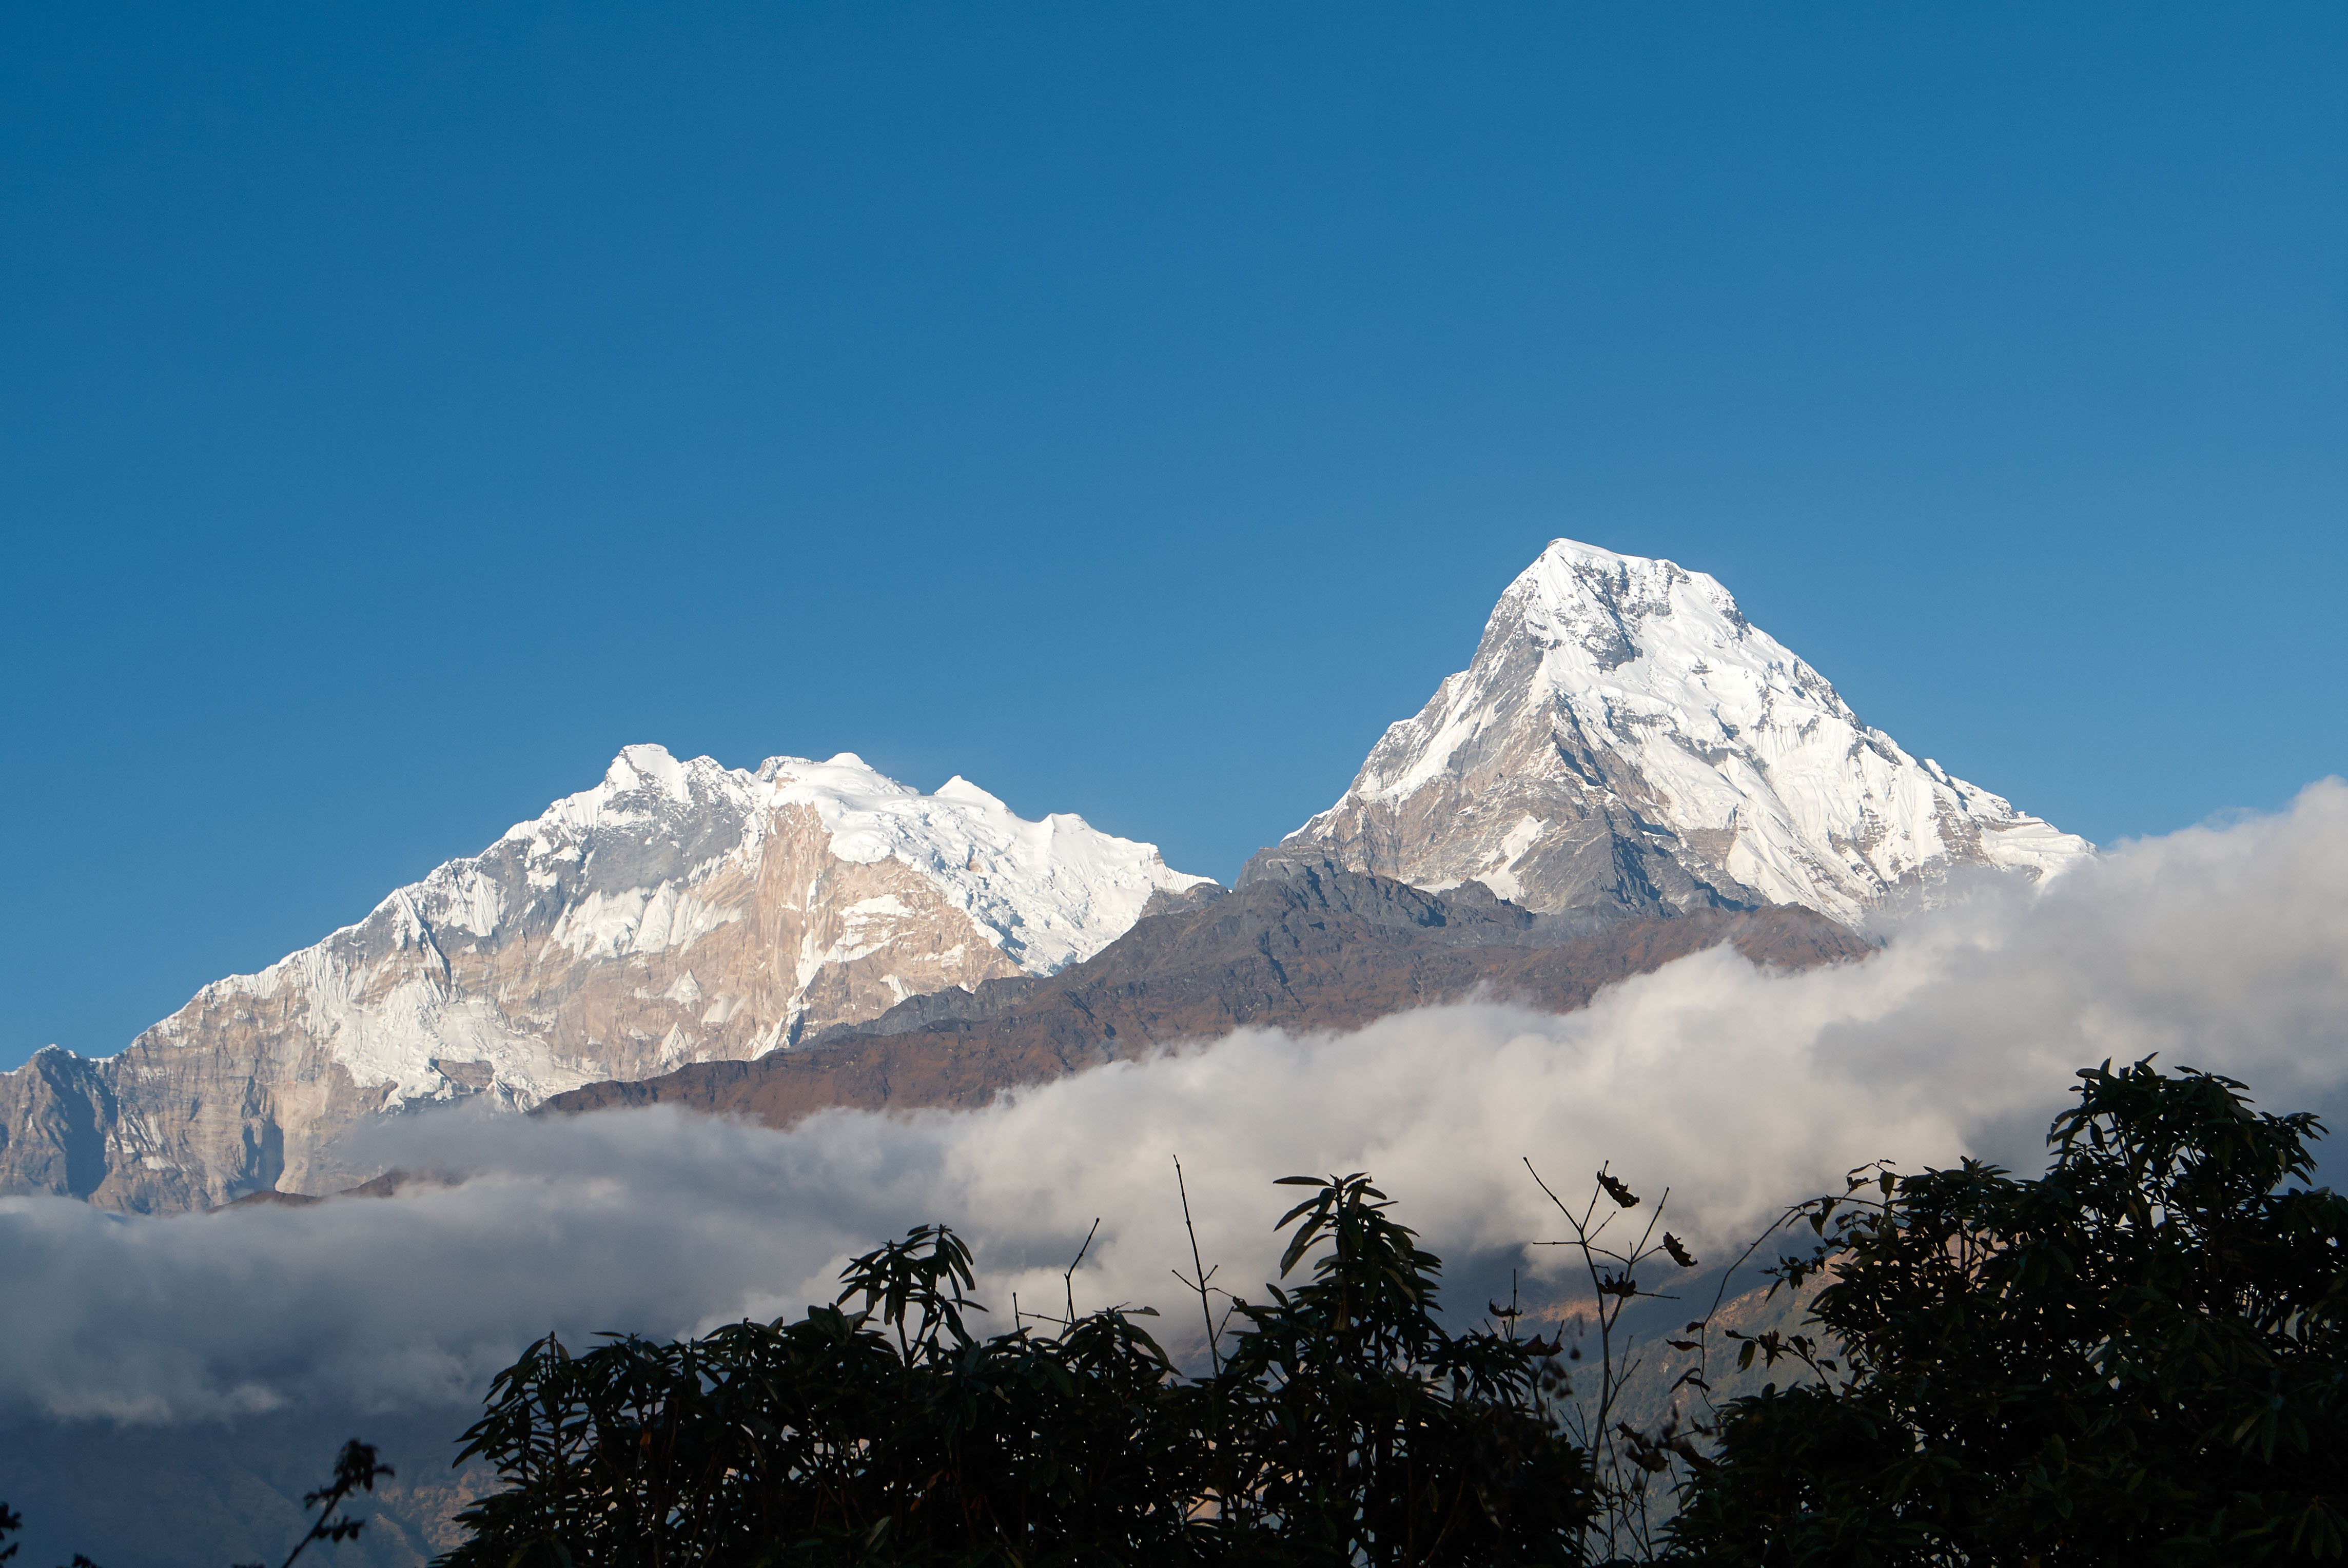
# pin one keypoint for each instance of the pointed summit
(1625, 741)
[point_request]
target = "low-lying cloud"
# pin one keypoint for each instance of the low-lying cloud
(2224, 947)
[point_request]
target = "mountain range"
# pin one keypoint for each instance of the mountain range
(678, 912)
(1627, 771)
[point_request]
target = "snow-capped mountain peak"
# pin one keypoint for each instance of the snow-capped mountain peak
(677, 911)
(1626, 740)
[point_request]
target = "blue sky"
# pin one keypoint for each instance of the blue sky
(1132, 408)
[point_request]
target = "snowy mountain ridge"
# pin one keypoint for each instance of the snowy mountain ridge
(676, 911)
(1626, 740)
(1045, 893)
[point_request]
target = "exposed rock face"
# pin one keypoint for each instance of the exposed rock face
(1314, 947)
(1626, 741)
(679, 911)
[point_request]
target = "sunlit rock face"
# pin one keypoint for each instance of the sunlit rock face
(678, 912)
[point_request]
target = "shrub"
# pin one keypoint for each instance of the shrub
(2134, 1358)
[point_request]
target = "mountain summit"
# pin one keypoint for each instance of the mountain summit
(1627, 742)
(678, 912)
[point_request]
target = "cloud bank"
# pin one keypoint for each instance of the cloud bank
(2224, 947)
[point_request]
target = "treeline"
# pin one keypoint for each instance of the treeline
(2134, 1357)
(1342, 1422)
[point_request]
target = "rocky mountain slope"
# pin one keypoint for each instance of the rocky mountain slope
(1625, 740)
(678, 912)
(1309, 946)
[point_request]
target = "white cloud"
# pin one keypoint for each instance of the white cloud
(2224, 947)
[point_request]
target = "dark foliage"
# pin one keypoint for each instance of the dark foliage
(1365, 1433)
(1344, 1425)
(2135, 1358)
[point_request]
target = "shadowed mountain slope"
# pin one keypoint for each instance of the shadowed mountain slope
(1300, 946)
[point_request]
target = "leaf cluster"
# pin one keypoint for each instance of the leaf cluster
(2135, 1358)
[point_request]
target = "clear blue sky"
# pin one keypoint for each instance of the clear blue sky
(1133, 409)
